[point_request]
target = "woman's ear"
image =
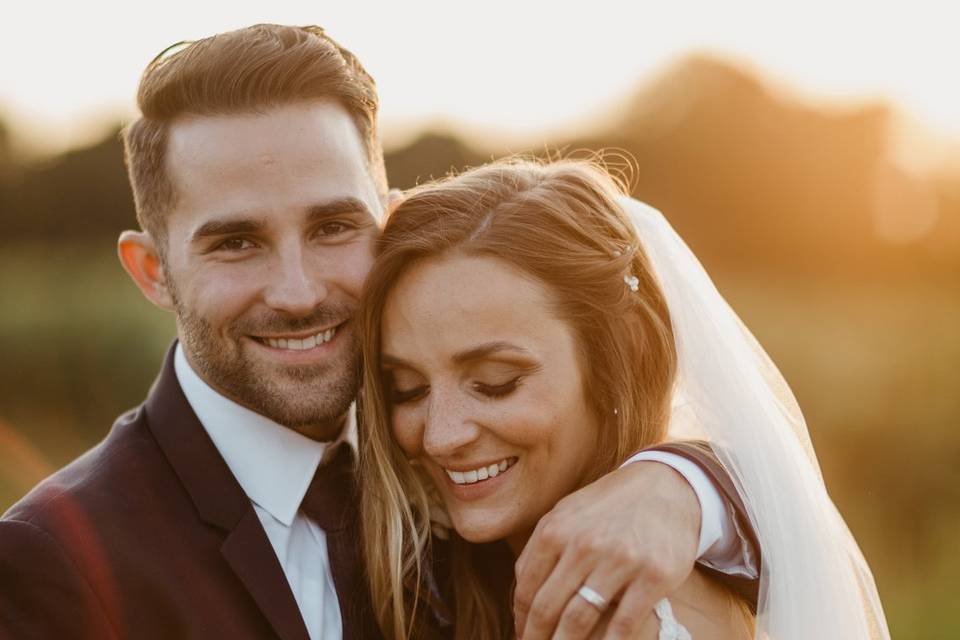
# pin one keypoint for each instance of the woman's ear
(138, 255)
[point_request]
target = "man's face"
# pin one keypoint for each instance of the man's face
(268, 247)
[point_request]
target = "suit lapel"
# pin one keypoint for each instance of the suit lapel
(251, 557)
(221, 502)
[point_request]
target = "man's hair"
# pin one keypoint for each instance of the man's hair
(244, 71)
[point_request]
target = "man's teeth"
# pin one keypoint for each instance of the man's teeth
(302, 344)
(482, 473)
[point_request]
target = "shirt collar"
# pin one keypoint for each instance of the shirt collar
(273, 464)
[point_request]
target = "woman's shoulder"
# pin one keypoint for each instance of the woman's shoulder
(700, 608)
(707, 610)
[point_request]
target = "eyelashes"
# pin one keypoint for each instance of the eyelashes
(497, 390)
(399, 396)
(403, 396)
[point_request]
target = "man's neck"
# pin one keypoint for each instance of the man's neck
(320, 431)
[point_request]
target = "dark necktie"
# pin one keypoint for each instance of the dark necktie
(332, 501)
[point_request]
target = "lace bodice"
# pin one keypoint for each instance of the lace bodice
(670, 629)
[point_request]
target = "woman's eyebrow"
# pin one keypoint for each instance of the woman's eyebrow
(469, 355)
(489, 348)
(392, 361)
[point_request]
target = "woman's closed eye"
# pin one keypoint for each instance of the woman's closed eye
(491, 390)
(497, 390)
(401, 396)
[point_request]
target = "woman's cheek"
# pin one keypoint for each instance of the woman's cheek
(407, 430)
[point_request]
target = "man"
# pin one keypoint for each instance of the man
(223, 506)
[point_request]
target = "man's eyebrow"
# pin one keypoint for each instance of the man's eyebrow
(338, 206)
(214, 228)
(315, 213)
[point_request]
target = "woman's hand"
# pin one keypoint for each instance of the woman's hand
(631, 537)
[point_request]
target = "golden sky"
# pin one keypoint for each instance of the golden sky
(68, 69)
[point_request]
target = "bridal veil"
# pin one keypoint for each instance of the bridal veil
(814, 580)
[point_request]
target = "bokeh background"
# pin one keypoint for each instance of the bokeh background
(808, 152)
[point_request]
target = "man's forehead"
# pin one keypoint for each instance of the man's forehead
(293, 159)
(299, 129)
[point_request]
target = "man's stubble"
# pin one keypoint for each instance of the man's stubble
(311, 399)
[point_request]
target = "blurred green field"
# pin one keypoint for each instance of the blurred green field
(874, 366)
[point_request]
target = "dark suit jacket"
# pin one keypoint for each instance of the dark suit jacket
(700, 453)
(148, 535)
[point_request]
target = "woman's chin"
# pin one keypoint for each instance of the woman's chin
(478, 529)
(482, 526)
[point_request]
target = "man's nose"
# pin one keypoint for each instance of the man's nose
(294, 286)
(449, 426)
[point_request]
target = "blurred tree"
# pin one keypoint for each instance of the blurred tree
(78, 197)
(432, 155)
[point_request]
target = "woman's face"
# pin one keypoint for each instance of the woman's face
(487, 393)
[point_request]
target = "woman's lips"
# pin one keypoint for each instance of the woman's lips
(480, 473)
(479, 489)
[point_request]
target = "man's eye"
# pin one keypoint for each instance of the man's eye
(235, 244)
(400, 396)
(333, 228)
(497, 390)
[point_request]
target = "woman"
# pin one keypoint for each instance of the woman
(518, 343)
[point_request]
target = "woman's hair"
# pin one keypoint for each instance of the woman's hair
(559, 223)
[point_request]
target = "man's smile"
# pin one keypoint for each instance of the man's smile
(301, 341)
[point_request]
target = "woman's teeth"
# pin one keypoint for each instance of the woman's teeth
(302, 344)
(482, 473)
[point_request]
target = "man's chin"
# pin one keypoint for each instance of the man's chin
(303, 398)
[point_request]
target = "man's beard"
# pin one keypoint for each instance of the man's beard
(312, 399)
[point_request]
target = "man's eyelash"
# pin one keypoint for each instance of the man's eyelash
(221, 245)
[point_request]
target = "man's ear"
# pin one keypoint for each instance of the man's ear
(139, 256)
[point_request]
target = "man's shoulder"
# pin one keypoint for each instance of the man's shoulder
(94, 481)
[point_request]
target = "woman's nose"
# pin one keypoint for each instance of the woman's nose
(449, 426)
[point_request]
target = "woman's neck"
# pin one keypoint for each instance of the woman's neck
(518, 541)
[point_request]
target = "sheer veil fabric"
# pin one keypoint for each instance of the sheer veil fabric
(815, 582)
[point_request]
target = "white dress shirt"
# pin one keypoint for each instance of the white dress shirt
(722, 545)
(274, 465)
